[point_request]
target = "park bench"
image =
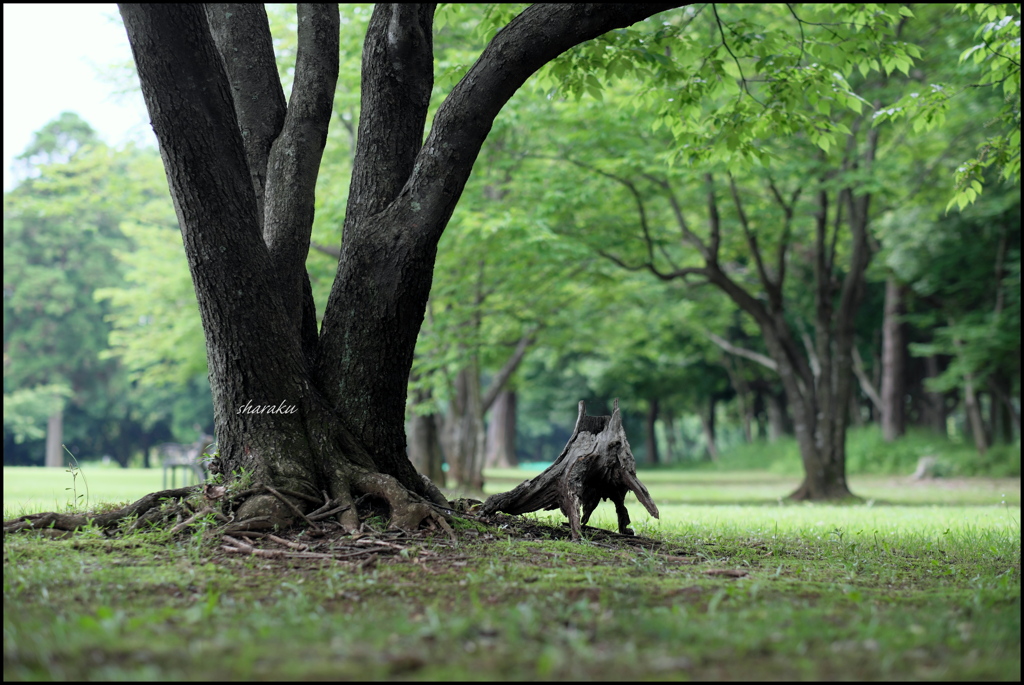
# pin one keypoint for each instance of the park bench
(186, 457)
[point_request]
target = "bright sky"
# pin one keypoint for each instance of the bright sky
(53, 59)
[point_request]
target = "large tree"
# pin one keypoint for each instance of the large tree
(242, 163)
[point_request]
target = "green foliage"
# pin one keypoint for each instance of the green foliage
(966, 271)
(63, 240)
(27, 409)
(992, 65)
(57, 142)
(723, 83)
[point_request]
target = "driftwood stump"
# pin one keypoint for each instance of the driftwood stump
(596, 464)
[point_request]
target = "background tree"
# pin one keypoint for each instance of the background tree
(785, 86)
(62, 234)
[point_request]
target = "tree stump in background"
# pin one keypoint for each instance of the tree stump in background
(596, 464)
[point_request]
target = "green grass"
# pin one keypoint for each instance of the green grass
(910, 589)
(30, 489)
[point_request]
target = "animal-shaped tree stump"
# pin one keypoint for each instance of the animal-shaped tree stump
(596, 464)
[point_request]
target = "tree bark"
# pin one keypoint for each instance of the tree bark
(778, 421)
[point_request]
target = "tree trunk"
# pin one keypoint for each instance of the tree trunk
(707, 421)
(304, 411)
(671, 454)
(778, 422)
(652, 438)
(425, 447)
(464, 431)
(973, 409)
(55, 439)
(935, 402)
(501, 432)
(744, 397)
(894, 351)
(1010, 422)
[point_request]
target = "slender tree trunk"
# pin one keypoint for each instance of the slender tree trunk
(778, 424)
(501, 431)
(671, 454)
(743, 397)
(1010, 422)
(464, 434)
(973, 409)
(894, 346)
(707, 421)
(425, 444)
(651, 437)
(55, 439)
(935, 402)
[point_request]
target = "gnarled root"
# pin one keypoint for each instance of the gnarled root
(408, 510)
(143, 508)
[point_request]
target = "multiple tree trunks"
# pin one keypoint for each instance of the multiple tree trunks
(596, 464)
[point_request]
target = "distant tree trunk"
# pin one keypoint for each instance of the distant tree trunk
(973, 409)
(934, 405)
(425, 447)
(894, 345)
(651, 436)
(55, 439)
(1001, 388)
(743, 396)
(778, 422)
(671, 455)
(708, 424)
(464, 436)
(856, 417)
(501, 432)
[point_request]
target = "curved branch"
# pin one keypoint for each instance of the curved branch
(772, 287)
(538, 35)
(511, 364)
(761, 359)
(865, 382)
(328, 250)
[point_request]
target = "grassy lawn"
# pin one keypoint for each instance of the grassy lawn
(921, 582)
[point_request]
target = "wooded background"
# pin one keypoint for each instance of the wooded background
(699, 215)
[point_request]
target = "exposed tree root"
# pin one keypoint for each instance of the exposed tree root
(255, 510)
(107, 520)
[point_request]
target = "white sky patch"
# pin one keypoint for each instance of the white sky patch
(53, 59)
